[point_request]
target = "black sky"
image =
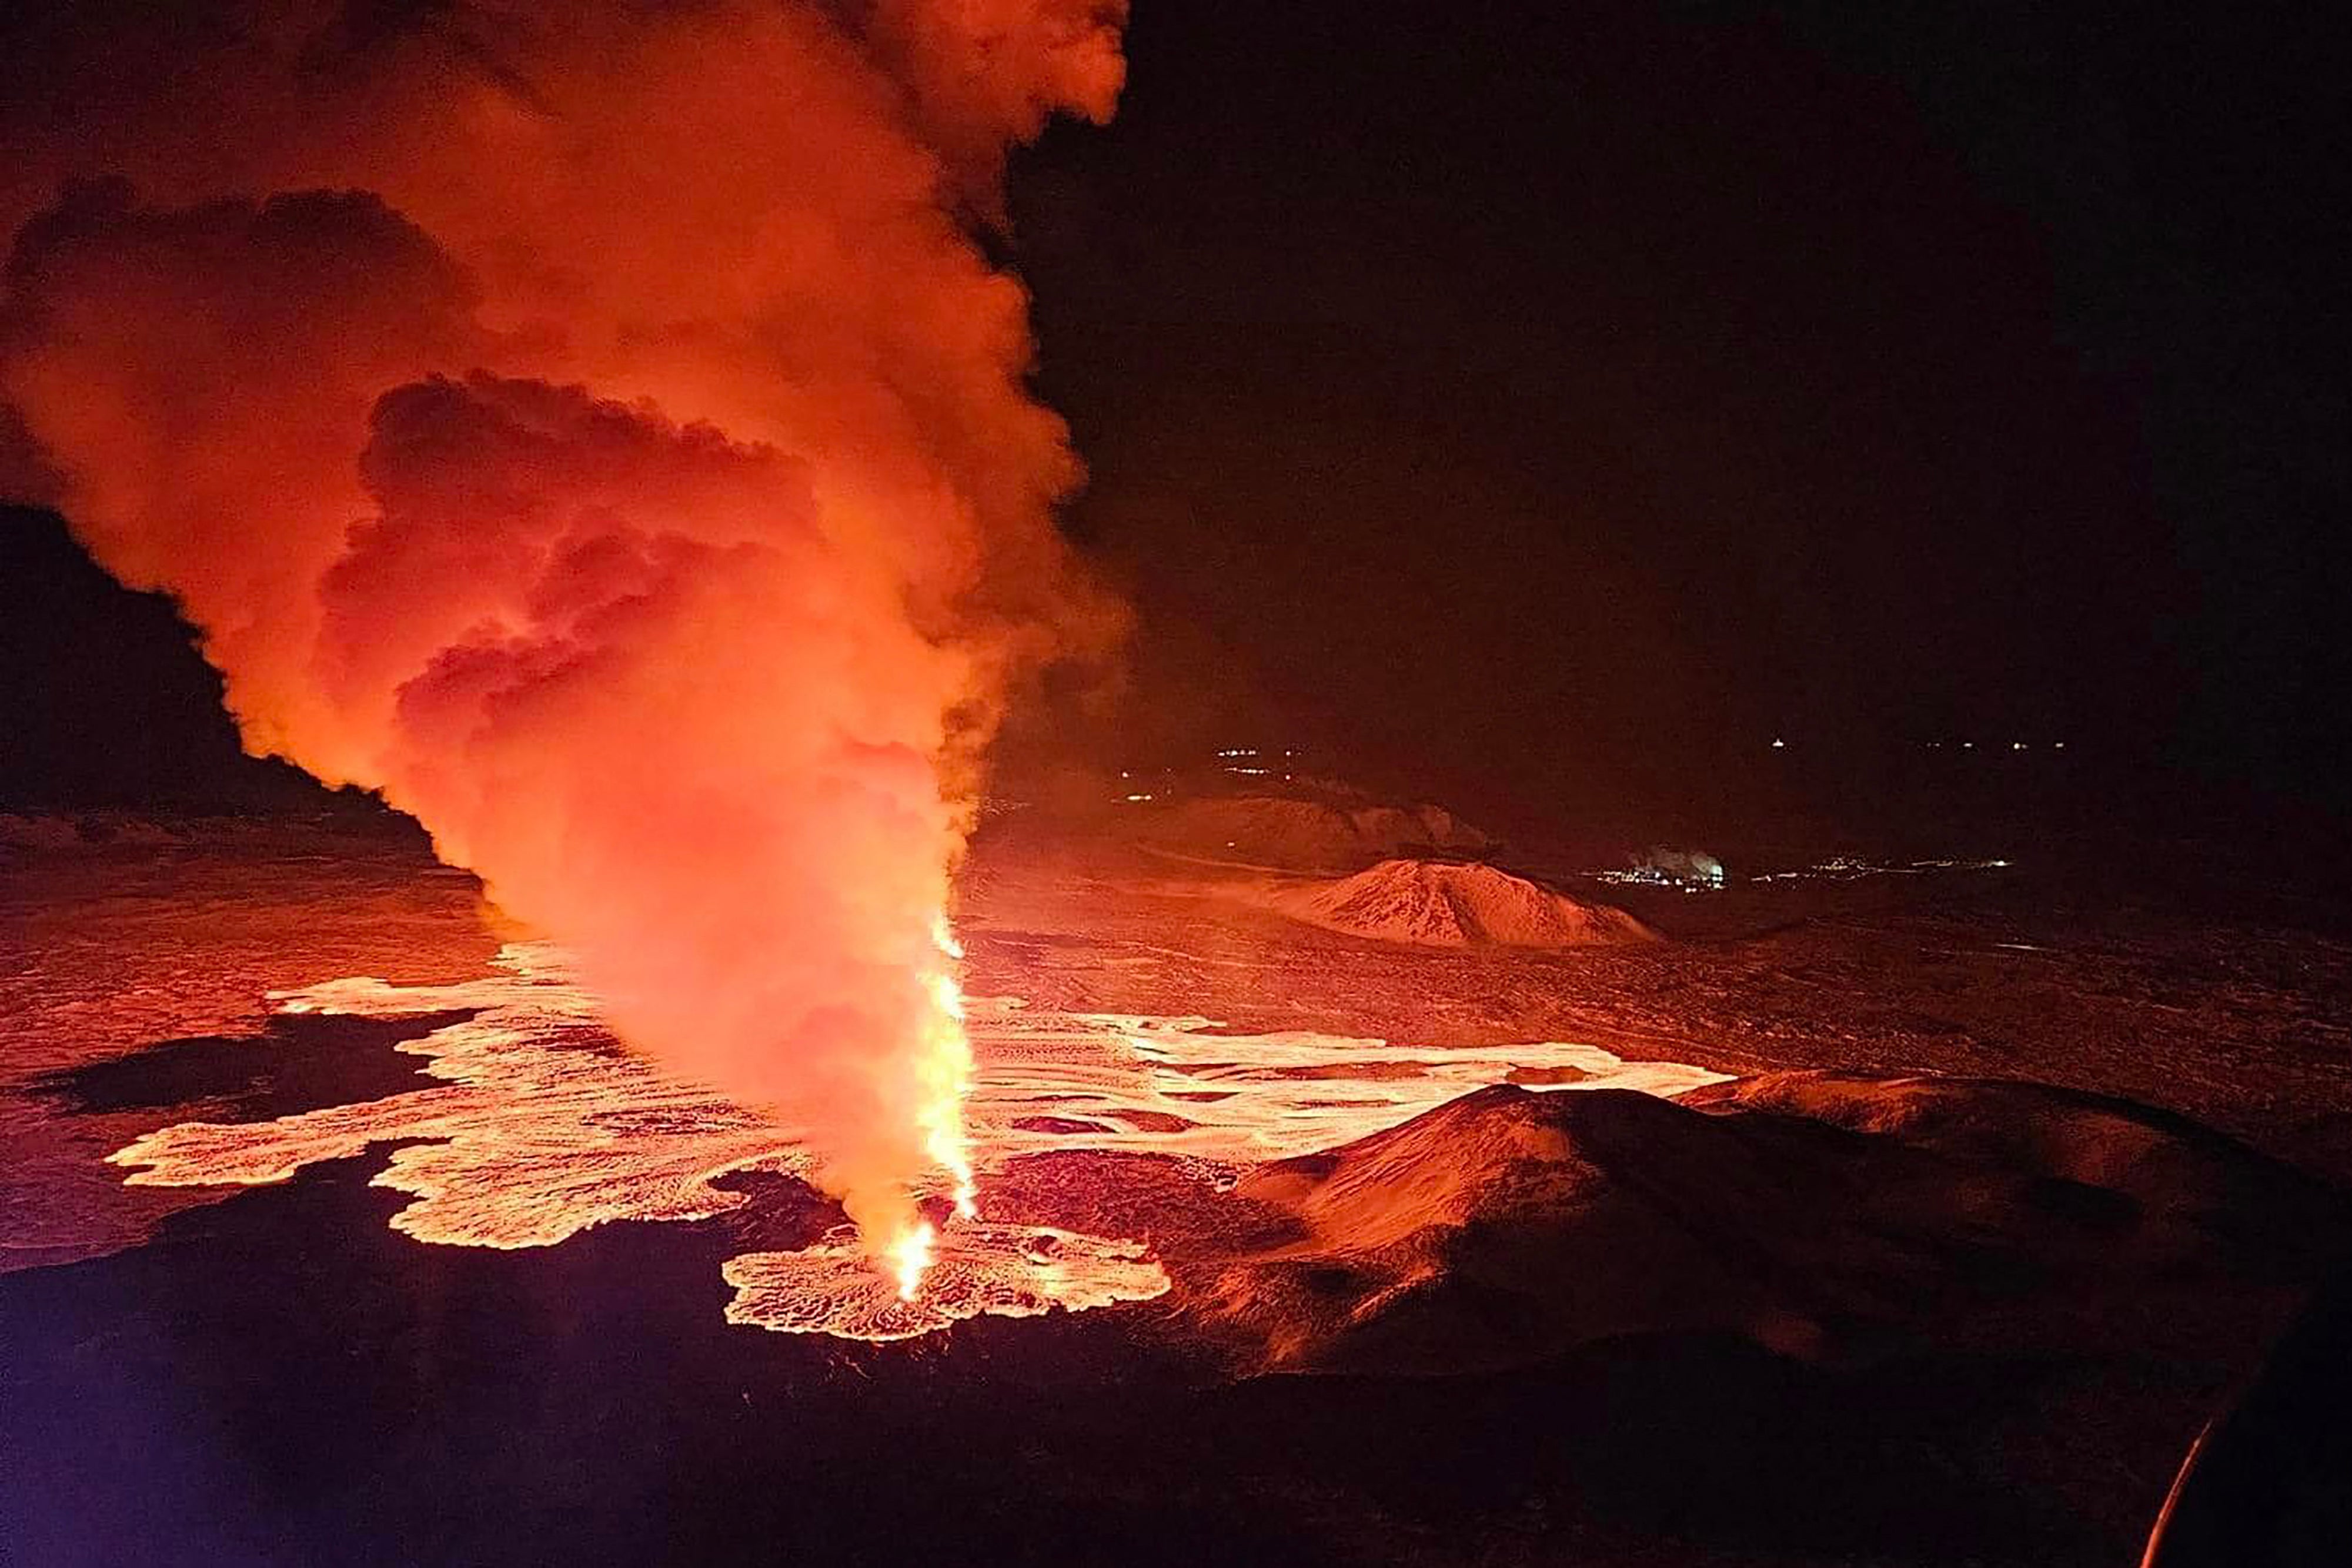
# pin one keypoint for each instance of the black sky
(1577, 396)
(1550, 402)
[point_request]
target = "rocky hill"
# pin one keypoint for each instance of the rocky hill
(1822, 1217)
(1449, 904)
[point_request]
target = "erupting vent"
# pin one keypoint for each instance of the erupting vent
(537, 1128)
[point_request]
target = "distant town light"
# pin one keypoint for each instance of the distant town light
(1135, 798)
(1778, 744)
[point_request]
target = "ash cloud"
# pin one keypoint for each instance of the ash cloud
(594, 429)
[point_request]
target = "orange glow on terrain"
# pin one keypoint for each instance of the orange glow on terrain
(537, 1127)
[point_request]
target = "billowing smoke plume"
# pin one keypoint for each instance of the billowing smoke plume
(594, 428)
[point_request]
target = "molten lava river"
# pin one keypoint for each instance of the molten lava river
(540, 1126)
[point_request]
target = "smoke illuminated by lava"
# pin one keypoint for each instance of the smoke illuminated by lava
(593, 428)
(533, 1130)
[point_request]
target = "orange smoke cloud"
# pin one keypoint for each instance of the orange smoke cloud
(608, 445)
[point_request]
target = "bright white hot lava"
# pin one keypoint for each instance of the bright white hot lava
(537, 1126)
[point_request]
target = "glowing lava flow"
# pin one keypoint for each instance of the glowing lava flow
(1000, 1270)
(536, 1126)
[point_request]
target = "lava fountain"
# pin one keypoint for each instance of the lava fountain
(945, 1067)
(527, 1128)
(598, 431)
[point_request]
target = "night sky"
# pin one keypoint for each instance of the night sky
(1552, 404)
(1580, 397)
